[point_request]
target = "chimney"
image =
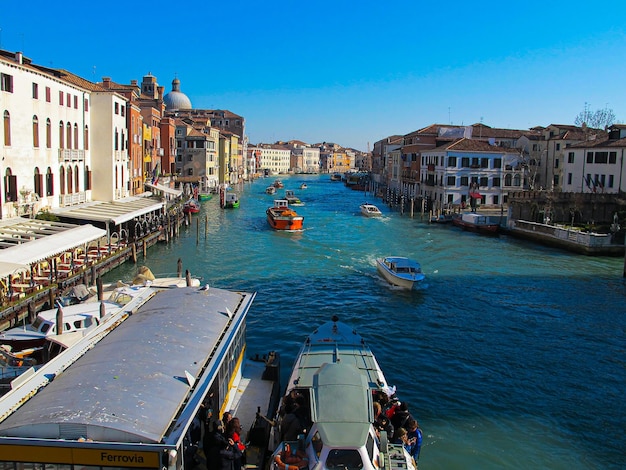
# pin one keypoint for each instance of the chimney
(106, 82)
(161, 94)
(134, 83)
(18, 58)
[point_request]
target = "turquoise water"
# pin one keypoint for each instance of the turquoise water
(510, 355)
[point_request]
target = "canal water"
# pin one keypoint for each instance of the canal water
(510, 355)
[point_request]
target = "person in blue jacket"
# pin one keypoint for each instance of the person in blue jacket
(414, 437)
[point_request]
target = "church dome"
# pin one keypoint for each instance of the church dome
(175, 99)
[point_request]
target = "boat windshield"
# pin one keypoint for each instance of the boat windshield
(344, 459)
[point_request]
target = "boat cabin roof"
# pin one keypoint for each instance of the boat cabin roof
(341, 405)
(402, 262)
(281, 203)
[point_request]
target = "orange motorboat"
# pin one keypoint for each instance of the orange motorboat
(282, 217)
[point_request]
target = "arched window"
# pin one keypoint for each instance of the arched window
(49, 182)
(62, 179)
(10, 186)
(69, 135)
(38, 183)
(48, 133)
(7, 129)
(61, 138)
(508, 179)
(86, 138)
(76, 136)
(70, 188)
(35, 132)
(76, 178)
(517, 180)
(87, 178)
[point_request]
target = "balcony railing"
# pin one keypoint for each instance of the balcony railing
(72, 199)
(71, 155)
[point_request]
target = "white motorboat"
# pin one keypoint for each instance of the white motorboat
(400, 271)
(370, 210)
(336, 379)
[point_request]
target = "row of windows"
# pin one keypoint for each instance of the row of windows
(68, 177)
(482, 181)
(68, 134)
(466, 162)
(602, 157)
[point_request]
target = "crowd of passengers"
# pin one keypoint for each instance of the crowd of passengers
(394, 417)
(217, 444)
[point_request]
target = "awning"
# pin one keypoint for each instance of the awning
(117, 212)
(165, 189)
(6, 268)
(46, 247)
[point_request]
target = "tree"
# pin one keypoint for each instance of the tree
(598, 119)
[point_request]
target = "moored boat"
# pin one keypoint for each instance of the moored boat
(335, 177)
(474, 222)
(400, 271)
(191, 207)
(281, 217)
(370, 210)
(270, 190)
(334, 382)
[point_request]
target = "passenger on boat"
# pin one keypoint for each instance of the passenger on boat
(400, 415)
(292, 424)
(233, 432)
(291, 459)
(213, 442)
(381, 422)
(414, 435)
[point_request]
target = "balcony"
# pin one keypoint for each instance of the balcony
(72, 199)
(71, 155)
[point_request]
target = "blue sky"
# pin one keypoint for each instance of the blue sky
(344, 71)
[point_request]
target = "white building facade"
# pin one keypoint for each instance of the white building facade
(46, 138)
(449, 174)
(596, 166)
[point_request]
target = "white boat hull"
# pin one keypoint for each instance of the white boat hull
(390, 269)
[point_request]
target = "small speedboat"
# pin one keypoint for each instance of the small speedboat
(400, 271)
(278, 184)
(370, 210)
(303, 186)
(281, 217)
(231, 201)
(270, 190)
(292, 199)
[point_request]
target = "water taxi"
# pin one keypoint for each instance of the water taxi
(335, 381)
(281, 217)
(400, 271)
(370, 210)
